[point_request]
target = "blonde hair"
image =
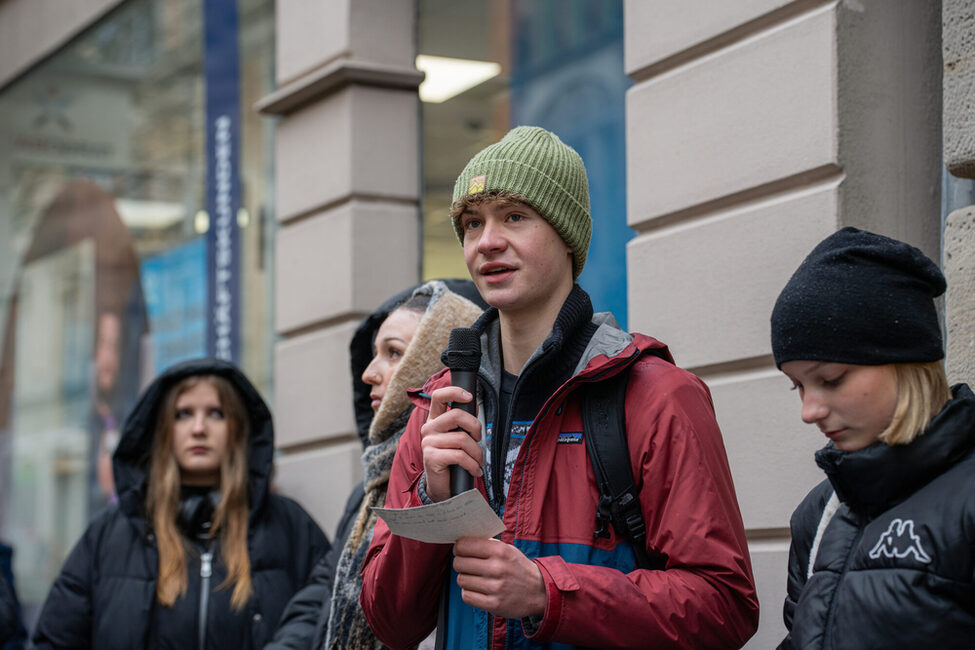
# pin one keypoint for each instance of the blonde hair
(922, 391)
(231, 515)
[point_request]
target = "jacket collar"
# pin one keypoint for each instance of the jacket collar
(557, 355)
(592, 342)
(871, 480)
(605, 348)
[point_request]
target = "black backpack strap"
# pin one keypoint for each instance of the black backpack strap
(604, 429)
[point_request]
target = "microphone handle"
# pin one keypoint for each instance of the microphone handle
(460, 479)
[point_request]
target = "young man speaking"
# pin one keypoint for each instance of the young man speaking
(521, 211)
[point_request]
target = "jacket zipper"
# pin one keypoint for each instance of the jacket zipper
(501, 453)
(500, 447)
(497, 478)
(206, 570)
(831, 613)
(502, 442)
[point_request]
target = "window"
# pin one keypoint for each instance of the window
(103, 259)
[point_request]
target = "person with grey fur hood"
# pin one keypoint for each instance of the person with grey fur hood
(396, 347)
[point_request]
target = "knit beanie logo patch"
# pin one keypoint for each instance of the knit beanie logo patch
(477, 184)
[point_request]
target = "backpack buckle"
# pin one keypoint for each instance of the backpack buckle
(603, 517)
(629, 515)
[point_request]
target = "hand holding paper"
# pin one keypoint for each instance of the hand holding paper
(465, 515)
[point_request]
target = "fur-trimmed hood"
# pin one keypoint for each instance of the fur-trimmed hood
(421, 359)
(361, 351)
(347, 627)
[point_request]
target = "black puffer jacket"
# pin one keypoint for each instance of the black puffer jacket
(895, 566)
(104, 597)
(8, 612)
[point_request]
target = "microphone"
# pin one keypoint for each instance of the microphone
(463, 358)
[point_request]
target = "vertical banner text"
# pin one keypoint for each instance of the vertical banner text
(222, 80)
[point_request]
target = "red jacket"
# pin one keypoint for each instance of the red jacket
(705, 596)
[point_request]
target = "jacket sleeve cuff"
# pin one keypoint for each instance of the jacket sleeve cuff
(559, 582)
(421, 490)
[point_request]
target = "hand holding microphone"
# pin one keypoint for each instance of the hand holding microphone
(451, 455)
(463, 358)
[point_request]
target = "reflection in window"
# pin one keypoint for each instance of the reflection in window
(458, 127)
(102, 262)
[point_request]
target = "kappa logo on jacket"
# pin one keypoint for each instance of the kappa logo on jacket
(899, 541)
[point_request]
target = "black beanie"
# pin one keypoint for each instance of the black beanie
(860, 298)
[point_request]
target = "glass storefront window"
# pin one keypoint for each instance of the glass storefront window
(103, 261)
(457, 127)
(559, 66)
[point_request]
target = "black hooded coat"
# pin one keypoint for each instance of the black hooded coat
(105, 598)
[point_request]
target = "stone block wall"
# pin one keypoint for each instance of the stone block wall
(347, 204)
(958, 46)
(958, 20)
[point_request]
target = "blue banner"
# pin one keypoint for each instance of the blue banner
(222, 80)
(567, 76)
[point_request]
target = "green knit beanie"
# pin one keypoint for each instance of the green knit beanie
(549, 174)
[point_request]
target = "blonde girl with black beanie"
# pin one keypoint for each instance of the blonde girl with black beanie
(881, 553)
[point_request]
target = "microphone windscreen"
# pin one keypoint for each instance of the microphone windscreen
(463, 350)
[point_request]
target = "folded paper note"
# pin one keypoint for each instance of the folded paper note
(465, 515)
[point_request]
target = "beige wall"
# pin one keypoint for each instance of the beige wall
(754, 129)
(347, 188)
(32, 29)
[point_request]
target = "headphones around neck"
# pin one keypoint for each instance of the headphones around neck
(196, 513)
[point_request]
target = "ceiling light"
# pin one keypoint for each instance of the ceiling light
(201, 222)
(136, 213)
(446, 78)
